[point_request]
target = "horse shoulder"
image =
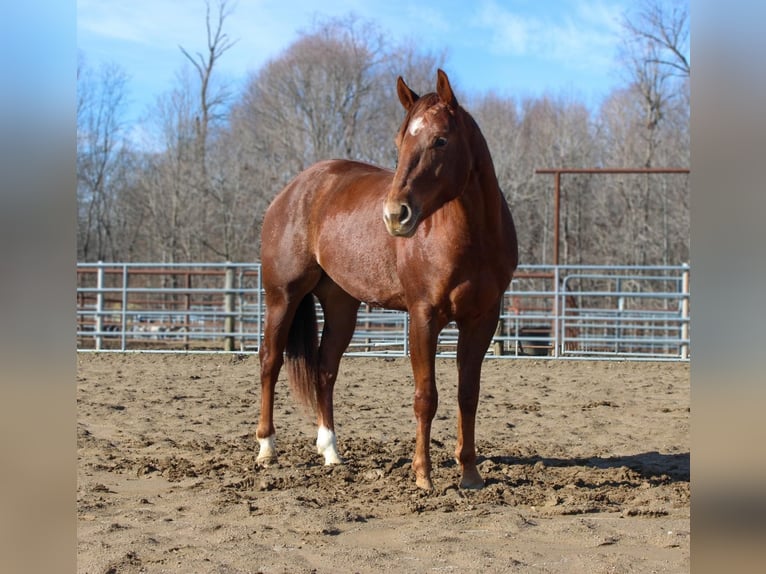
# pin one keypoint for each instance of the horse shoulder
(348, 238)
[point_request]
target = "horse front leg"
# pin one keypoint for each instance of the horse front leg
(423, 335)
(473, 340)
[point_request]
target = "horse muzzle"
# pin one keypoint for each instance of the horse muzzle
(400, 218)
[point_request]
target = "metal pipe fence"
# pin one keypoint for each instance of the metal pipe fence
(564, 311)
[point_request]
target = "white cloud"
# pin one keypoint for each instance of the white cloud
(143, 22)
(509, 33)
(502, 44)
(579, 35)
(607, 16)
(428, 17)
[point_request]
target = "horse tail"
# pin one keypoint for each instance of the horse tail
(302, 354)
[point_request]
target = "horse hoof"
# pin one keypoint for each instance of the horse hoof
(265, 461)
(331, 457)
(327, 446)
(472, 482)
(267, 452)
(466, 485)
(424, 483)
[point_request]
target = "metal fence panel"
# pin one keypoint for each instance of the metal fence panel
(566, 311)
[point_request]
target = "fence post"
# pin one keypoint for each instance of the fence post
(498, 347)
(261, 309)
(99, 304)
(187, 307)
(228, 303)
(685, 312)
(124, 326)
(556, 311)
(406, 346)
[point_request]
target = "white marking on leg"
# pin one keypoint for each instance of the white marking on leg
(416, 125)
(267, 450)
(327, 446)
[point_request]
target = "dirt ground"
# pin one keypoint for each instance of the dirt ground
(586, 467)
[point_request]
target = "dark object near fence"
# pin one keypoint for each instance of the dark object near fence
(535, 341)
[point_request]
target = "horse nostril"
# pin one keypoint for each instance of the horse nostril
(404, 214)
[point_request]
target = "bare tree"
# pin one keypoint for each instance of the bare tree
(101, 156)
(604, 219)
(317, 99)
(169, 179)
(552, 132)
(200, 190)
(231, 233)
(655, 51)
(211, 103)
(213, 193)
(639, 126)
(184, 203)
(664, 28)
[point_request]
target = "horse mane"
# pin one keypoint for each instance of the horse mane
(482, 158)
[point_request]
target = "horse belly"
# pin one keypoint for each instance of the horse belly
(365, 279)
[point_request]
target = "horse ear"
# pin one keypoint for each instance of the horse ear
(406, 95)
(444, 90)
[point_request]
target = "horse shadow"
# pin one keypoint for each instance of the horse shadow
(650, 465)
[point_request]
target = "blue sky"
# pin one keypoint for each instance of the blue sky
(515, 48)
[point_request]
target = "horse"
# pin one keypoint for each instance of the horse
(434, 238)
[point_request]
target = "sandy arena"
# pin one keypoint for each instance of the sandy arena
(586, 467)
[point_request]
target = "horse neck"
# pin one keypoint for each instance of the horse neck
(482, 199)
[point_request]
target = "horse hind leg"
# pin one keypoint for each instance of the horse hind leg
(340, 310)
(280, 312)
(275, 332)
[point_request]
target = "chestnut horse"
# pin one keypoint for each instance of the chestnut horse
(434, 238)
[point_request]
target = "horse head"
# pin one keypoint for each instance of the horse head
(434, 157)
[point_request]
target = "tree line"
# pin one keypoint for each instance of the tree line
(216, 157)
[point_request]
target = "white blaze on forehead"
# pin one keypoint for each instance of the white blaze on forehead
(416, 125)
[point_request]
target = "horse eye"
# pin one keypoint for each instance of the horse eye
(440, 142)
